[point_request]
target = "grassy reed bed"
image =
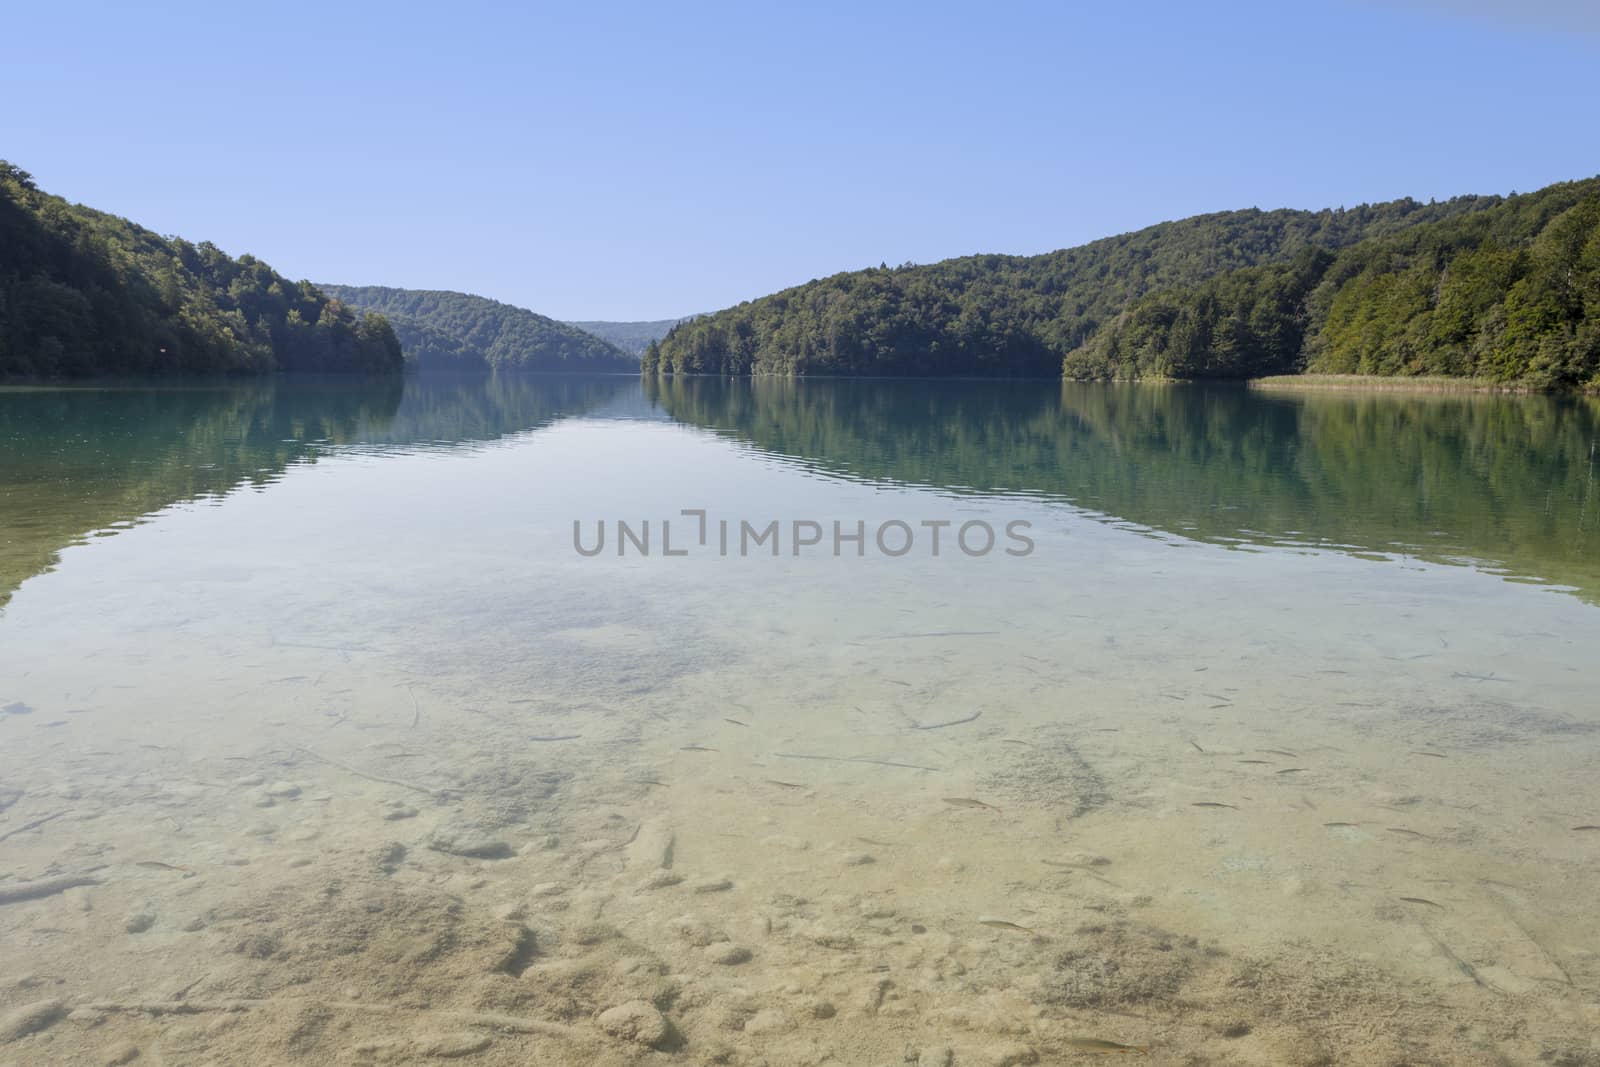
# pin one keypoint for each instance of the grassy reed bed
(1384, 383)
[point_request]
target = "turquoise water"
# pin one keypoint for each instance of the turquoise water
(1278, 732)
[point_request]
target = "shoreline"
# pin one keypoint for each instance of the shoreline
(1388, 383)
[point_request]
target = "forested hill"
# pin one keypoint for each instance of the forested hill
(1007, 315)
(632, 337)
(1507, 294)
(85, 293)
(445, 331)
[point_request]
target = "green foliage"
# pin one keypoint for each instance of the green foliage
(1507, 293)
(84, 293)
(1007, 315)
(445, 331)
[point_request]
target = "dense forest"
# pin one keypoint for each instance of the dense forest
(1006, 315)
(1502, 288)
(84, 293)
(1508, 294)
(445, 331)
(631, 337)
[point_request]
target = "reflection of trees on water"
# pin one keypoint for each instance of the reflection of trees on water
(76, 461)
(1504, 481)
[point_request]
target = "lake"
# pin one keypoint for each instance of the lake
(798, 721)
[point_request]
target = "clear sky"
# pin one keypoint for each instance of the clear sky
(628, 161)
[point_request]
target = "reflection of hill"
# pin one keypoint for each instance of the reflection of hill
(1504, 481)
(77, 461)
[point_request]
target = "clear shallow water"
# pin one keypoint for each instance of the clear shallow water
(311, 642)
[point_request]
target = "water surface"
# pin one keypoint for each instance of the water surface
(1280, 733)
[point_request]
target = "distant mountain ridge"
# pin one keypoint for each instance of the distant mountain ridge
(1065, 313)
(441, 330)
(632, 337)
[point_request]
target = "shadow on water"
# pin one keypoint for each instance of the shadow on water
(81, 462)
(1504, 483)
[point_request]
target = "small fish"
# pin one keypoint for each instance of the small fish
(158, 865)
(1095, 1044)
(968, 802)
(1403, 830)
(1016, 741)
(1290, 770)
(696, 748)
(1265, 761)
(1279, 752)
(786, 785)
(1435, 755)
(1214, 707)
(1334, 824)
(735, 722)
(874, 841)
(1212, 804)
(1198, 749)
(648, 781)
(1005, 924)
(1586, 826)
(554, 737)
(1422, 900)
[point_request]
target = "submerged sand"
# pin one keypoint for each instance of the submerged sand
(399, 795)
(630, 880)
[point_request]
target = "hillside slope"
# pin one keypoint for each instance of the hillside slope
(448, 331)
(1507, 294)
(85, 293)
(1006, 315)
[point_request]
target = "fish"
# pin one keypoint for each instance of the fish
(735, 722)
(968, 802)
(1435, 755)
(786, 785)
(648, 781)
(1006, 924)
(1279, 752)
(1265, 761)
(1212, 804)
(1331, 824)
(1104, 1047)
(1422, 900)
(1198, 749)
(1403, 830)
(1586, 826)
(696, 748)
(1290, 770)
(158, 865)
(554, 737)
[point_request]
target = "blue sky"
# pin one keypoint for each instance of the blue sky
(594, 160)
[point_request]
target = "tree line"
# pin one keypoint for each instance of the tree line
(1500, 287)
(83, 293)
